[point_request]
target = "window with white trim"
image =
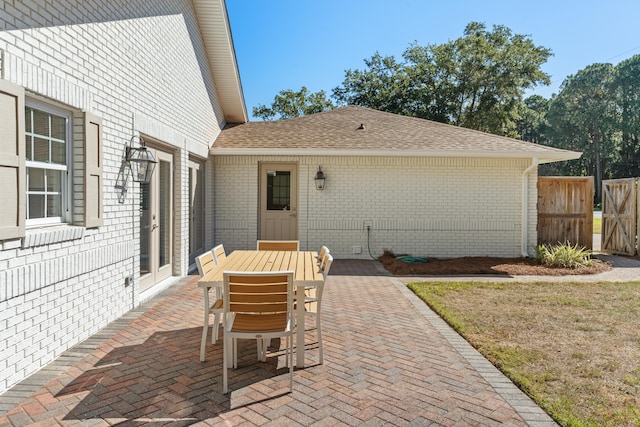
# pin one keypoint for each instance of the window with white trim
(48, 163)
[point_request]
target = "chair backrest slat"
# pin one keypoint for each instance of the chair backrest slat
(258, 308)
(278, 245)
(218, 253)
(259, 298)
(258, 279)
(258, 289)
(205, 263)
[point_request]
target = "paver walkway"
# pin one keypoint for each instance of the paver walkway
(389, 360)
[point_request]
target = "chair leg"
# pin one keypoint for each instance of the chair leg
(205, 324)
(225, 363)
(235, 353)
(230, 351)
(289, 342)
(203, 342)
(265, 347)
(216, 326)
(261, 349)
(319, 329)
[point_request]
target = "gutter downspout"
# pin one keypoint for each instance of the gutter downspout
(524, 238)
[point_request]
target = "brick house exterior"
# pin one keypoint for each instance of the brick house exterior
(424, 188)
(90, 78)
(81, 244)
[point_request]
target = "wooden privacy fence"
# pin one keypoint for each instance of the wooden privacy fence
(620, 212)
(565, 210)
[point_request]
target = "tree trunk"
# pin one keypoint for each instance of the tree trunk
(595, 139)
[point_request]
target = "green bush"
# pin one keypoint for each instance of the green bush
(564, 255)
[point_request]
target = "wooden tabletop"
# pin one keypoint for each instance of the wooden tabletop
(303, 263)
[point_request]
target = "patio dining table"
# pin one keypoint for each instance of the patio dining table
(304, 264)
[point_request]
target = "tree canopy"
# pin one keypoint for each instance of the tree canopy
(477, 81)
(626, 88)
(288, 104)
(597, 111)
(582, 117)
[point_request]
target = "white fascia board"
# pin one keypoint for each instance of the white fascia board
(544, 157)
(215, 30)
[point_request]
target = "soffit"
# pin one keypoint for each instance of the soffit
(216, 33)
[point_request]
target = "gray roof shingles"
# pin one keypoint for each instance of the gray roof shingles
(339, 131)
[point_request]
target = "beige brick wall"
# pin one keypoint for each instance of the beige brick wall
(438, 207)
(140, 66)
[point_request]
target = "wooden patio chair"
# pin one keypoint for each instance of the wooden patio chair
(278, 245)
(313, 300)
(323, 251)
(205, 263)
(218, 253)
(257, 305)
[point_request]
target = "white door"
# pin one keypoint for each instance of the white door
(278, 201)
(156, 222)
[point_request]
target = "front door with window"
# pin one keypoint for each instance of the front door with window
(156, 222)
(278, 201)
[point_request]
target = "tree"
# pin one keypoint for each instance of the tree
(383, 86)
(533, 119)
(494, 70)
(288, 104)
(626, 85)
(476, 81)
(583, 118)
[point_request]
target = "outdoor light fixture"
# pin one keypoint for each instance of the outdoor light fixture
(141, 162)
(319, 179)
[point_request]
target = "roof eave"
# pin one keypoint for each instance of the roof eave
(216, 33)
(544, 157)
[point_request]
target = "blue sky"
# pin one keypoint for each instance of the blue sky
(287, 44)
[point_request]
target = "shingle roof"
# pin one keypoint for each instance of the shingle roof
(362, 131)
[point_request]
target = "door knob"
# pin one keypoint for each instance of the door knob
(154, 227)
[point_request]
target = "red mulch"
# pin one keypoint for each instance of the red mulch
(483, 265)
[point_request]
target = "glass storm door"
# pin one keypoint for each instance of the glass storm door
(278, 201)
(156, 223)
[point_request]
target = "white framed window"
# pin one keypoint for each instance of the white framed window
(48, 162)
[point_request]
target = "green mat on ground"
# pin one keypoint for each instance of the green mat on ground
(411, 259)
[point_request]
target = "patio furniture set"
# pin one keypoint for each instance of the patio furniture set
(257, 296)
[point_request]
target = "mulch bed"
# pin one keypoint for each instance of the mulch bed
(483, 265)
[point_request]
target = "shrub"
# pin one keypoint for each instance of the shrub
(564, 255)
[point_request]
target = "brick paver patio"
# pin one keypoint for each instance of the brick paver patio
(388, 361)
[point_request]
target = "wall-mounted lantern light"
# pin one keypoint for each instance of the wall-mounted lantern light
(319, 179)
(141, 162)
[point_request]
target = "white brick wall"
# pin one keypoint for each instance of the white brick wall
(140, 66)
(438, 207)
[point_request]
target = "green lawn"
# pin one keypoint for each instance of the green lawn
(597, 225)
(574, 348)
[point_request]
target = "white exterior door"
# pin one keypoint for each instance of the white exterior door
(156, 222)
(278, 201)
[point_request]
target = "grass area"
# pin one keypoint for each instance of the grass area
(574, 348)
(597, 225)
